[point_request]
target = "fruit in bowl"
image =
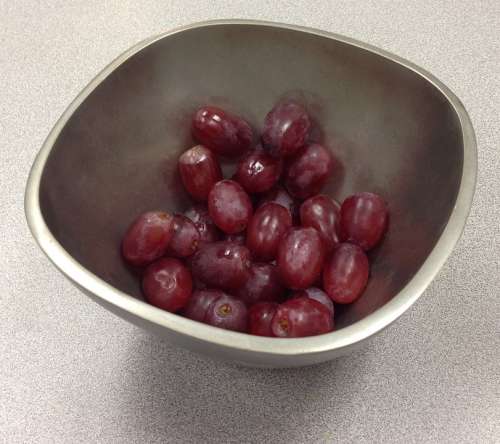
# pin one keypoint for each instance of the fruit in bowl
(261, 279)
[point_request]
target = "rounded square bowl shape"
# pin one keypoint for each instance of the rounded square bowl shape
(394, 128)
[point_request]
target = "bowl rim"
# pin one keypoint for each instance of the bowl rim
(337, 340)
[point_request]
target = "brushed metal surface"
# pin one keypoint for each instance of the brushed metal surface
(395, 129)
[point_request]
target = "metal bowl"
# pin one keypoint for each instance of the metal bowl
(395, 129)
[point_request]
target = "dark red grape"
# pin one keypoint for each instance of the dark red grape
(268, 225)
(286, 128)
(205, 225)
(224, 133)
(167, 284)
(363, 220)
(186, 237)
(280, 196)
(316, 294)
(258, 171)
(222, 264)
(227, 312)
(308, 172)
(199, 303)
(300, 317)
(260, 317)
(300, 257)
(322, 212)
(199, 171)
(147, 238)
(262, 285)
(229, 206)
(346, 273)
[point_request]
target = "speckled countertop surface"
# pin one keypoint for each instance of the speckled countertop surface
(71, 372)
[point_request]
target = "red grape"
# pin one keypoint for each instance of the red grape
(222, 264)
(322, 212)
(224, 133)
(229, 206)
(227, 312)
(167, 284)
(258, 171)
(363, 220)
(199, 303)
(346, 273)
(308, 172)
(280, 196)
(316, 294)
(147, 238)
(286, 128)
(301, 317)
(260, 317)
(199, 171)
(263, 285)
(185, 239)
(205, 225)
(300, 257)
(268, 225)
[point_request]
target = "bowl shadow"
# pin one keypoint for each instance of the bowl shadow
(201, 400)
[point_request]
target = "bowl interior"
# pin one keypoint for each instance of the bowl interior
(391, 130)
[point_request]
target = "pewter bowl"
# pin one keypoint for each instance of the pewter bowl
(395, 129)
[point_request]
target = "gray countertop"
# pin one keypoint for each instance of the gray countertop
(72, 372)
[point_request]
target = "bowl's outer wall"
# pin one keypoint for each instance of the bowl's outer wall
(391, 130)
(207, 348)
